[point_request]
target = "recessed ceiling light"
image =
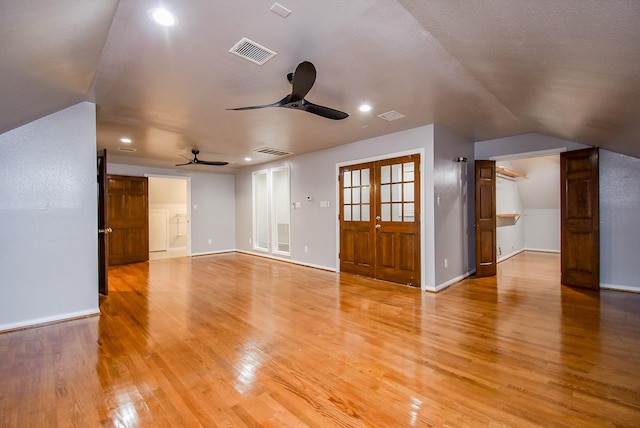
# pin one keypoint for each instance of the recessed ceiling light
(125, 140)
(365, 107)
(247, 159)
(163, 17)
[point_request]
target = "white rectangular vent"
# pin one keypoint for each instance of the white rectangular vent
(391, 115)
(252, 51)
(127, 149)
(271, 151)
(279, 9)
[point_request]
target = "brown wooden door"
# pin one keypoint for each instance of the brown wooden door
(128, 217)
(486, 263)
(580, 219)
(357, 249)
(103, 231)
(380, 219)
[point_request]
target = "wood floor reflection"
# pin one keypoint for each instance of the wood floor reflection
(235, 340)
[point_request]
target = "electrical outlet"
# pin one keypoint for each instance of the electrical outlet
(209, 241)
(306, 249)
(446, 263)
(250, 241)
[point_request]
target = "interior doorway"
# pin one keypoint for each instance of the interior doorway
(527, 205)
(169, 225)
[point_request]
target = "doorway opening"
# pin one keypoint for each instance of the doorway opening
(169, 225)
(527, 205)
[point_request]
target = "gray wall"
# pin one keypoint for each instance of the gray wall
(315, 174)
(619, 227)
(453, 189)
(212, 205)
(48, 219)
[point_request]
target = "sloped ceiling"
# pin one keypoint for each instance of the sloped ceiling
(568, 69)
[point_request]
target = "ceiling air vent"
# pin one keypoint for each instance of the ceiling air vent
(252, 51)
(127, 149)
(270, 151)
(391, 115)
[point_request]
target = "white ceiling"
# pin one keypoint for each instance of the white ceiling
(484, 69)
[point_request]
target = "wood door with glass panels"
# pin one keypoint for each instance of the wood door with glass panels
(379, 219)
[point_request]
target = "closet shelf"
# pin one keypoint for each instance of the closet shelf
(509, 173)
(509, 217)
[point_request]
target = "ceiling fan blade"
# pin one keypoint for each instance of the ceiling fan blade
(303, 79)
(323, 111)
(183, 164)
(280, 103)
(215, 163)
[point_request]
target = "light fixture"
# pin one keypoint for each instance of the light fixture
(365, 108)
(162, 17)
(125, 140)
(247, 159)
(461, 159)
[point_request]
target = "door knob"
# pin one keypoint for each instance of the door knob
(106, 231)
(378, 217)
(378, 226)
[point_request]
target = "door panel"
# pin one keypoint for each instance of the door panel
(128, 217)
(356, 227)
(103, 240)
(381, 201)
(580, 220)
(486, 263)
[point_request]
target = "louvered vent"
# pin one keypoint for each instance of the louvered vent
(252, 51)
(391, 115)
(127, 149)
(271, 151)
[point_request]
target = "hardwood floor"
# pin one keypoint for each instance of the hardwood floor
(234, 340)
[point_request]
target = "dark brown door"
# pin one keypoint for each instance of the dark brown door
(380, 219)
(103, 230)
(128, 216)
(580, 218)
(485, 218)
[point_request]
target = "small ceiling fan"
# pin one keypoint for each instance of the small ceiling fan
(196, 161)
(302, 80)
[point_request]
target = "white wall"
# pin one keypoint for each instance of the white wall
(542, 229)
(315, 174)
(510, 232)
(212, 205)
(48, 218)
(619, 221)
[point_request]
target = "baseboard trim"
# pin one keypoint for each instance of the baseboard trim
(40, 322)
(282, 259)
(508, 256)
(449, 283)
(542, 250)
(614, 287)
(209, 253)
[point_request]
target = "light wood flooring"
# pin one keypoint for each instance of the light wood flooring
(233, 340)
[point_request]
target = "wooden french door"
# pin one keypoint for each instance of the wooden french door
(128, 216)
(103, 229)
(485, 216)
(380, 219)
(580, 219)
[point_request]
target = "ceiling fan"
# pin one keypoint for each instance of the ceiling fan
(302, 80)
(196, 161)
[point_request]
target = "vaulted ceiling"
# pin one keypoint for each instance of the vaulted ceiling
(490, 69)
